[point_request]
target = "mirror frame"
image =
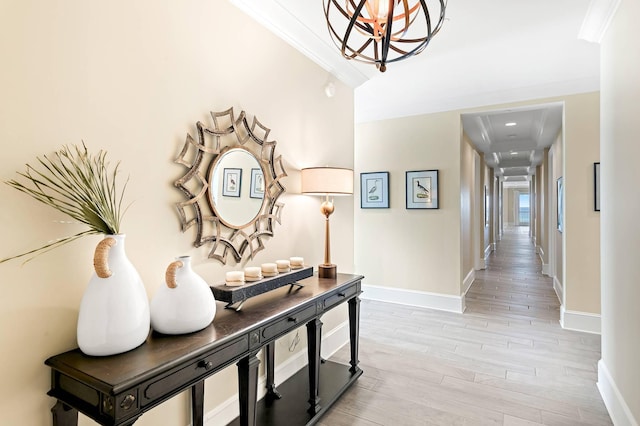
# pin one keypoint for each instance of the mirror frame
(199, 156)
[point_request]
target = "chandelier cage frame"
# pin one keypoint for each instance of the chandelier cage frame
(376, 32)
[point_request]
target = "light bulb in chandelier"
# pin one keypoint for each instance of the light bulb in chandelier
(383, 31)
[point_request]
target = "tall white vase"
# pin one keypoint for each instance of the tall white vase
(114, 311)
(185, 304)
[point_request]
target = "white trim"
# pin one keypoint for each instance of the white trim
(468, 280)
(422, 299)
(332, 341)
(487, 253)
(558, 289)
(284, 24)
(579, 321)
(597, 20)
(545, 269)
(618, 409)
(545, 266)
(494, 246)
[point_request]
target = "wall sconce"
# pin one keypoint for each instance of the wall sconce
(327, 181)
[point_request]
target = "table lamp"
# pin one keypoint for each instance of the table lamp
(327, 181)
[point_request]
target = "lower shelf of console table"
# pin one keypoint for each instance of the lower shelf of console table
(292, 408)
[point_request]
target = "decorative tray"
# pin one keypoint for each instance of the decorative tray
(238, 295)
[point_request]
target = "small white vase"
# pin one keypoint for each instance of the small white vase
(114, 311)
(185, 304)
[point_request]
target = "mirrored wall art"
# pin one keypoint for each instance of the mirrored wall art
(231, 216)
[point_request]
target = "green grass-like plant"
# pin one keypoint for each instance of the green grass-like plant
(78, 184)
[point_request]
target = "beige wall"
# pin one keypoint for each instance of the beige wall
(619, 216)
(487, 177)
(542, 208)
(582, 223)
(466, 203)
(556, 171)
(435, 138)
(390, 243)
(134, 78)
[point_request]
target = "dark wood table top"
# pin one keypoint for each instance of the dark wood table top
(164, 352)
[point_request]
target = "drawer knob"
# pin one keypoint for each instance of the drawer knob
(207, 365)
(293, 320)
(342, 295)
(128, 402)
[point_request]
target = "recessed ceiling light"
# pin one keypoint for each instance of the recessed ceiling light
(510, 124)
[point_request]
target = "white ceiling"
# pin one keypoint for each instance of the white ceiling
(487, 52)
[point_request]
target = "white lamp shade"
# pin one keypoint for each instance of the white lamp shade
(327, 180)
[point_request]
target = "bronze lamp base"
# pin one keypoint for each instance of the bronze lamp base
(327, 271)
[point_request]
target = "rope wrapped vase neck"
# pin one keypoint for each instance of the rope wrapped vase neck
(101, 257)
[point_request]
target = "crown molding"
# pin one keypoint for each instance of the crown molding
(280, 21)
(597, 19)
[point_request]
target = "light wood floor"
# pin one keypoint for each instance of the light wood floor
(505, 361)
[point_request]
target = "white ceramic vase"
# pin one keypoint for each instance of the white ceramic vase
(114, 311)
(185, 304)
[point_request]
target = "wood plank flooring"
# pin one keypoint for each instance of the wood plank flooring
(505, 361)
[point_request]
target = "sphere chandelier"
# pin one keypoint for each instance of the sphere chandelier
(382, 31)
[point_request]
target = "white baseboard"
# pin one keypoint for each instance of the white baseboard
(422, 299)
(545, 266)
(487, 253)
(579, 321)
(616, 406)
(468, 280)
(558, 289)
(331, 342)
(545, 269)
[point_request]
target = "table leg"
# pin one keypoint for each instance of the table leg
(270, 356)
(248, 388)
(197, 404)
(354, 332)
(64, 415)
(314, 336)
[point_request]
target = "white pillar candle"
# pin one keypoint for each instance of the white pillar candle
(269, 269)
(296, 262)
(234, 278)
(252, 273)
(283, 265)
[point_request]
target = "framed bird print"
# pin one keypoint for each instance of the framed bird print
(374, 190)
(231, 183)
(422, 189)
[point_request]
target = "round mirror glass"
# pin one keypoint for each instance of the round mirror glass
(236, 187)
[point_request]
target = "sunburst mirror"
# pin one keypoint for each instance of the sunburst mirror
(232, 183)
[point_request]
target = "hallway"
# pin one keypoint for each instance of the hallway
(505, 361)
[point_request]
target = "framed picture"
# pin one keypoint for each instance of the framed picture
(374, 190)
(422, 189)
(560, 203)
(257, 184)
(596, 186)
(232, 180)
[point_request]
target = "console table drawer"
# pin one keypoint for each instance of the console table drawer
(289, 323)
(199, 369)
(335, 299)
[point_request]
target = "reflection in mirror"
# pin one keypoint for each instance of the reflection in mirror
(230, 180)
(232, 183)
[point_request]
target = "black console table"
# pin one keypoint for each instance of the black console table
(117, 390)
